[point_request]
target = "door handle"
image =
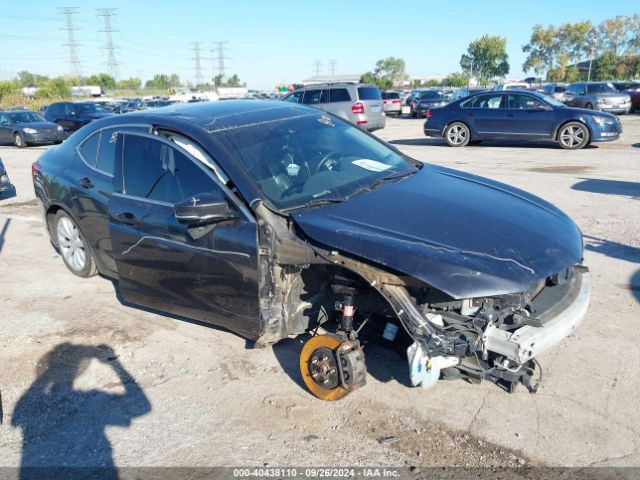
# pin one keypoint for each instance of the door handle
(86, 182)
(127, 218)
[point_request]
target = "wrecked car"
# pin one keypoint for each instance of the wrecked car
(275, 220)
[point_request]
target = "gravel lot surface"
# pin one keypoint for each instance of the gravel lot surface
(88, 380)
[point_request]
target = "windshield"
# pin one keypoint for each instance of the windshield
(90, 108)
(430, 94)
(26, 117)
(311, 158)
(601, 88)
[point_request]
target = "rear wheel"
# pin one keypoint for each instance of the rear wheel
(573, 135)
(72, 246)
(18, 141)
(457, 134)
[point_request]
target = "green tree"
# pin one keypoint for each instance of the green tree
(58, 87)
(486, 58)
(389, 72)
(28, 79)
(131, 83)
(160, 81)
(456, 79)
(106, 82)
(542, 49)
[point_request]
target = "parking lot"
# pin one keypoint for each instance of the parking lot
(196, 395)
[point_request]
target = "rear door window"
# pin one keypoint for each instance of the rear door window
(369, 93)
(157, 171)
(312, 97)
(486, 101)
(339, 95)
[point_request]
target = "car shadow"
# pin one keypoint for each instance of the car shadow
(3, 232)
(634, 285)
(612, 249)
(64, 428)
(610, 187)
(636, 145)
(383, 364)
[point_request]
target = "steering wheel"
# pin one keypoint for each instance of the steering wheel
(323, 163)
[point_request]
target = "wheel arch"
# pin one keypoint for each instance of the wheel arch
(472, 133)
(556, 133)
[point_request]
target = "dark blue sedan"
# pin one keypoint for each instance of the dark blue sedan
(519, 115)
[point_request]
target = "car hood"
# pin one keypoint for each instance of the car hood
(465, 235)
(37, 125)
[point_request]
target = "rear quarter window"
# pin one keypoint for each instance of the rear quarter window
(369, 93)
(339, 95)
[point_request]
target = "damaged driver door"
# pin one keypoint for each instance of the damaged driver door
(181, 242)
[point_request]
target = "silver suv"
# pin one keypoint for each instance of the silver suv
(597, 96)
(360, 103)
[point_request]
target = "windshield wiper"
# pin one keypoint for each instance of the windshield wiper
(320, 201)
(378, 181)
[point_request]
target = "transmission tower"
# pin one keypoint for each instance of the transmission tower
(112, 64)
(74, 62)
(317, 64)
(220, 58)
(332, 66)
(197, 58)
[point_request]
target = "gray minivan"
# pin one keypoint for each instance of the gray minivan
(601, 96)
(360, 103)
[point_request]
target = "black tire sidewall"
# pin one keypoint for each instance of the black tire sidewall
(89, 266)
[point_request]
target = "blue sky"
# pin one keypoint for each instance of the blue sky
(270, 42)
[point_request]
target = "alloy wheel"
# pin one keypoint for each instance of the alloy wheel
(71, 244)
(457, 134)
(572, 136)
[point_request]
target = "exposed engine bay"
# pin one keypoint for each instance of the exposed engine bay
(345, 304)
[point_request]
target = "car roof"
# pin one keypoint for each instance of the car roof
(216, 116)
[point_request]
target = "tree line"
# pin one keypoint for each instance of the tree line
(612, 46)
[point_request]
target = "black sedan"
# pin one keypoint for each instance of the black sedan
(24, 127)
(519, 115)
(274, 219)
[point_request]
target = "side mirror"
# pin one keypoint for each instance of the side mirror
(203, 209)
(544, 108)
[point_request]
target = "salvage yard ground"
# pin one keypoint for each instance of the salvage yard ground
(198, 396)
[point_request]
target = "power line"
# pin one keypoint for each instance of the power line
(198, 66)
(332, 66)
(317, 65)
(112, 64)
(69, 27)
(220, 58)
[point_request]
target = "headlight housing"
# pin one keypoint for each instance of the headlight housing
(602, 120)
(29, 130)
(4, 179)
(60, 128)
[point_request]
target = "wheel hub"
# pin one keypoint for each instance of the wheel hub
(323, 368)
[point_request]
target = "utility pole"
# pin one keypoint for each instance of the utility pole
(112, 64)
(198, 66)
(220, 58)
(317, 64)
(69, 27)
(332, 66)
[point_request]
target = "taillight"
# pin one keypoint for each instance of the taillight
(395, 101)
(35, 168)
(385, 102)
(429, 113)
(357, 108)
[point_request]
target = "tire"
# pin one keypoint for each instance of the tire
(589, 106)
(18, 141)
(457, 134)
(72, 246)
(57, 142)
(573, 136)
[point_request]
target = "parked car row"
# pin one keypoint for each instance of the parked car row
(519, 115)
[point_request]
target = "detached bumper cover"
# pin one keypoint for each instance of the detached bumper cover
(527, 342)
